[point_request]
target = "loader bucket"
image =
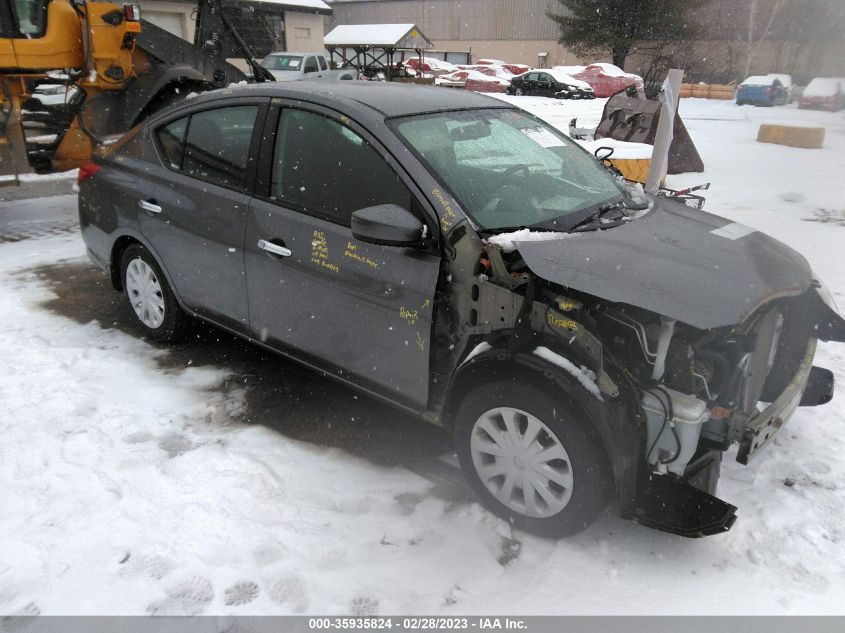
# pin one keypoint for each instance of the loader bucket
(629, 116)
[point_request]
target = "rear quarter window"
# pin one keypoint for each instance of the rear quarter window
(171, 139)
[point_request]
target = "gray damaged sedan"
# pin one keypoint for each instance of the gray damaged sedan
(460, 259)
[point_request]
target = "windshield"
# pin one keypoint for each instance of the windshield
(283, 62)
(508, 169)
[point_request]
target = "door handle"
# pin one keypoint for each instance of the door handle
(149, 205)
(281, 251)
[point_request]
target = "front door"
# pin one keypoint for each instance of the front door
(360, 310)
(194, 210)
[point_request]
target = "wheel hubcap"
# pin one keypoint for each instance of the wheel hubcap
(521, 462)
(145, 293)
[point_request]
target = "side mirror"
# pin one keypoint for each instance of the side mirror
(387, 224)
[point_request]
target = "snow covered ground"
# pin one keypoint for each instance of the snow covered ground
(130, 488)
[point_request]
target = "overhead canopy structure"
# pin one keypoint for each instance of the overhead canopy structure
(373, 46)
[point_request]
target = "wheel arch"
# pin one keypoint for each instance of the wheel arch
(614, 422)
(119, 246)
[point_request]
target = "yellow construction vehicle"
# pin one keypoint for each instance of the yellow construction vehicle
(117, 69)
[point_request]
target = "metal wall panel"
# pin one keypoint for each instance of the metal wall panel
(457, 19)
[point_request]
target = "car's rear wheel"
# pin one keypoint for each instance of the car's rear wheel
(532, 458)
(153, 304)
(519, 92)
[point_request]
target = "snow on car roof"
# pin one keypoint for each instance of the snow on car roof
(823, 87)
(436, 64)
(758, 80)
(398, 35)
(563, 78)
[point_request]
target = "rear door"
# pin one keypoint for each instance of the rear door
(193, 211)
(359, 310)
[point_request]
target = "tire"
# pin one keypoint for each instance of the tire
(154, 307)
(566, 504)
(519, 92)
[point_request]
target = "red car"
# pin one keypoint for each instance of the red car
(824, 93)
(607, 79)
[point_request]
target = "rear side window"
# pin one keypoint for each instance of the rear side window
(323, 65)
(171, 138)
(217, 144)
(327, 170)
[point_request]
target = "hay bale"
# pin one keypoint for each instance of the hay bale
(793, 135)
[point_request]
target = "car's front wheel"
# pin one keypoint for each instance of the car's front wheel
(519, 92)
(532, 458)
(153, 304)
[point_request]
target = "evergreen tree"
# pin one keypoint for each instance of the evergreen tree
(622, 27)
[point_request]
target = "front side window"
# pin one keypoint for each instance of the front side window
(311, 64)
(509, 169)
(217, 144)
(327, 170)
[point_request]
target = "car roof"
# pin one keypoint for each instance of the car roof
(389, 99)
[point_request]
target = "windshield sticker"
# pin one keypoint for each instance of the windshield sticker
(294, 63)
(543, 138)
(733, 231)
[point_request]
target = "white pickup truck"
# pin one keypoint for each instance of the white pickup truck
(288, 66)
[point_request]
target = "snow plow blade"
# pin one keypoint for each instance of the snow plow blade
(629, 116)
(668, 504)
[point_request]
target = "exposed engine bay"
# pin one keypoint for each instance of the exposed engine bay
(690, 392)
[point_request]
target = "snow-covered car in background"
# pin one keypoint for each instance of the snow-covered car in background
(471, 265)
(824, 93)
(607, 79)
(762, 90)
(429, 66)
(474, 80)
(290, 66)
(550, 83)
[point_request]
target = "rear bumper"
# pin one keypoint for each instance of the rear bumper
(763, 426)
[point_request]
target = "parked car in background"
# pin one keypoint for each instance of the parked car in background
(517, 69)
(550, 83)
(287, 66)
(491, 70)
(432, 263)
(607, 79)
(429, 66)
(474, 80)
(762, 90)
(824, 93)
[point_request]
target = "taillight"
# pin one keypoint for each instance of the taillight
(132, 12)
(86, 171)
